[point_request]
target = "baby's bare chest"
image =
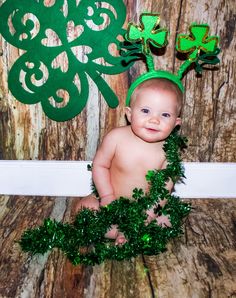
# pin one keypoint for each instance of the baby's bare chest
(138, 159)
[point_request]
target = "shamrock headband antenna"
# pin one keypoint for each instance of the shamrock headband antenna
(198, 46)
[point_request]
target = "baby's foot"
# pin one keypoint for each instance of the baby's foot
(120, 239)
(112, 233)
(164, 221)
(90, 202)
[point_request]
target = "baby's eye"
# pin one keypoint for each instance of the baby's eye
(145, 110)
(166, 115)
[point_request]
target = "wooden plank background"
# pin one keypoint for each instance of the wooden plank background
(202, 262)
(209, 103)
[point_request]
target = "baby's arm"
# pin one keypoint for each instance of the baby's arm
(102, 178)
(101, 168)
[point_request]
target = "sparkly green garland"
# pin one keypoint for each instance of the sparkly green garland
(83, 241)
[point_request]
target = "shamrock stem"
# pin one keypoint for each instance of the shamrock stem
(183, 67)
(105, 89)
(150, 63)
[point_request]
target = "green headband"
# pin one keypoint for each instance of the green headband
(198, 46)
(153, 75)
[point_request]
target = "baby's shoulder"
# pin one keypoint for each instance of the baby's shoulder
(118, 133)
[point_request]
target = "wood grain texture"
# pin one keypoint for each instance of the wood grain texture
(201, 263)
(209, 103)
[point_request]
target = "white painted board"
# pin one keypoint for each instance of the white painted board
(71, 178)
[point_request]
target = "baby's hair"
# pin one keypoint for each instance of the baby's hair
(159, 84)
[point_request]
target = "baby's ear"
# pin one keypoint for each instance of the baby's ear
(128, 113)
(178, 121)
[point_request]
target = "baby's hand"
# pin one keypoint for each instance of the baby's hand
(106, 200)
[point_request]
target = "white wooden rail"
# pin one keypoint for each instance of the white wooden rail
(71, 178)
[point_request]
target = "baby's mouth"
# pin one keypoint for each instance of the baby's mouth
(152, 129)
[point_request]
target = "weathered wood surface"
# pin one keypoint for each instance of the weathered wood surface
(202, 263)
(209, 104)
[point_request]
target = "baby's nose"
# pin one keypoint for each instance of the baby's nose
(154, 119)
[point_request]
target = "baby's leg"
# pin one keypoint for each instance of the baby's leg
(162, 220)
(151, 215)
(90, 202)
(153, 212)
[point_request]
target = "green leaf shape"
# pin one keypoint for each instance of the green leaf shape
(147, 32)
(197, 40)
(34, 78)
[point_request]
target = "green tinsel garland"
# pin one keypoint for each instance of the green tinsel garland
(83, 241)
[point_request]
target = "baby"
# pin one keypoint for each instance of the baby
(127, 153)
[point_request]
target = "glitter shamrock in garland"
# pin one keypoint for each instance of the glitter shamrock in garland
(63, 43)
(83, 241)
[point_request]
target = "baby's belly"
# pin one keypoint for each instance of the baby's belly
(123, 186)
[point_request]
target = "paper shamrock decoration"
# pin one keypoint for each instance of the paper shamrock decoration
(62, 47)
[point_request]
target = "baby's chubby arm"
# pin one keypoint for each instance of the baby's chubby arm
(101, 168)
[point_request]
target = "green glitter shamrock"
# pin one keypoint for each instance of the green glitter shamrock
(196, 42)
(147, 33)
(63, 43)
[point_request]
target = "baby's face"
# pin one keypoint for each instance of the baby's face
(153, 114)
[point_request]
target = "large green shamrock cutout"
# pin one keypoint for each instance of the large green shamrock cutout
(196, 41)
(147, 32)
(63, 44)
